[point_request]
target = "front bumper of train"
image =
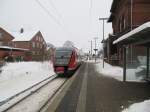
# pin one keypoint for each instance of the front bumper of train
(64, 70)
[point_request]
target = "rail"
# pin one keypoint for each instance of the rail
(15, 99)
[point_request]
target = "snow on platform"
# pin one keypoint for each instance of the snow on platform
(16, 77)
(139, 107)
(109, 70)
(116, 72)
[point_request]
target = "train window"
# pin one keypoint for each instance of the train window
(63, 53)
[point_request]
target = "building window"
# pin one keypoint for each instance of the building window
(120, 25)
(37, 45)
(0, 35)
(41, 46)
(15, 45)
(33, 44)
(124, 22)
(41, 39)
(37, 38)
(1, 43)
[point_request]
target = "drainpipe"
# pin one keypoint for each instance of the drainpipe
(124, 63)
(131, 28)
(147, 71)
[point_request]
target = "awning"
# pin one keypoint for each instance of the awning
(139, 35)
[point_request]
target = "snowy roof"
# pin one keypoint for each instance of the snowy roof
(27, 35)
(12, 48)
(133, 32)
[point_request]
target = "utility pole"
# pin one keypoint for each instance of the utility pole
(95, 38)
(103, 19)
(91, 47)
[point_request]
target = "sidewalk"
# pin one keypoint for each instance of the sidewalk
(105, 94)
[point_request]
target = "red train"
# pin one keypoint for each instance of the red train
(66, 60)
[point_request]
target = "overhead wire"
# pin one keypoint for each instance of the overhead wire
(54, 7)
(53, 17)
(47, 11)
(60, 17)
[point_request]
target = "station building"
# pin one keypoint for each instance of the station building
(129, 44)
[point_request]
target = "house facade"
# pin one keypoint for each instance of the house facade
(32, 40)
(5, 38)
(28, 44)
(50, 51)
(130, 22)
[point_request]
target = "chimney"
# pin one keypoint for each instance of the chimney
(21, 30)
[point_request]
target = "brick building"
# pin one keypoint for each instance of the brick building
(5, 43)
(29, 44)
(130, 23)
(32, 40)
(5, 38)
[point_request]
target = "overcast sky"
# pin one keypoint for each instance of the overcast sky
(58, 20)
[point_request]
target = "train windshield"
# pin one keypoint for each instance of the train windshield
(62, 57)
(61, 54)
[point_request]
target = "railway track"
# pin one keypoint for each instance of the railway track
(16, 99)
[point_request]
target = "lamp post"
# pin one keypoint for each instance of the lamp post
(91, 49)
(103, 19)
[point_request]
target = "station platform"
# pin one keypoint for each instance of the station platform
(90, 91)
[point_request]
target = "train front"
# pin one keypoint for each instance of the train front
(61, 60)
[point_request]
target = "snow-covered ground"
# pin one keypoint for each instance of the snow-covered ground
(109, 70)
(117, 72)
(16, 77)
(139, 107)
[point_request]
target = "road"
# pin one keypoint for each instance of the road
(90, 91)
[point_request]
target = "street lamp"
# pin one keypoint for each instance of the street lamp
(103, 19)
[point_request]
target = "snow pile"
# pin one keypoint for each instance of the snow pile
(16, 77)
(139, 107)
(109, 70)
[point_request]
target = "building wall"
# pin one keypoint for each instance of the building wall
(141, 12)
(122, 15)
(22, 44)
(5, 38)
(36, 46)
(121, 21)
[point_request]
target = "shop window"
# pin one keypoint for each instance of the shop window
(135, 63)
